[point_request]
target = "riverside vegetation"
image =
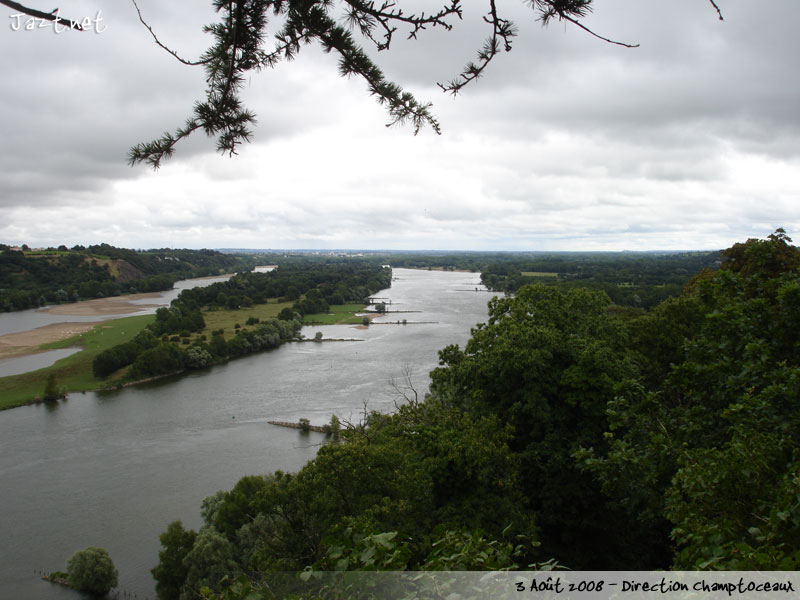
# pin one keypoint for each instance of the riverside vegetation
(568, 431)
(33, 278)
(159, 348)
(203, 326)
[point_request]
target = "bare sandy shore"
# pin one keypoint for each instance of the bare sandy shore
(116, 305)
(28, 342)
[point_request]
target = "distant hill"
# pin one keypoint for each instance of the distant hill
(34, 277)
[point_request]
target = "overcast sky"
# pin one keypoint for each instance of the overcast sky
(691, 141)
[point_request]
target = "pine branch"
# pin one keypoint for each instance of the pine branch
(502, 29)
(719, 12)
(365, 15)
(402, 106)
(222, 114)
(598, 36)
(157, 41)
(239, 48)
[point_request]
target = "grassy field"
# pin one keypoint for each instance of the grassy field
(339, 314)
(227, 319)
(73, 373)
(538, 274)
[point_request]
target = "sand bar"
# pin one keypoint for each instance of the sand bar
(28, 342)
(99, 307)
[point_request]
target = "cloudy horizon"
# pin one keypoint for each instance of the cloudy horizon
(690, 141)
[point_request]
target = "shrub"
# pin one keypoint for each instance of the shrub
(92, 571)
(51, 391)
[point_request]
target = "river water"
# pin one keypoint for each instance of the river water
(114, 469)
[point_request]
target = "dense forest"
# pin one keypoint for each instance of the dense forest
(33, 278)
(164, 347)
(568, 431)
(640, 279)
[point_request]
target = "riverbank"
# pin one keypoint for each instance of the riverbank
(73, 373)
(15, 345)
(100, 307)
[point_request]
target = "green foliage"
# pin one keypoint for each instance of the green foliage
(348, 550)
(92, 571)
(547, 363)
(712, 448)
(286, 314)
(170, 573)
(463, 550)
(636, 279)
(51, 389)
(30, 279)
(162, 359)
(209, 560)
(313, 302)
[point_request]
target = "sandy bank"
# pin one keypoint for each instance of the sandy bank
(116, 305)
(28, 342)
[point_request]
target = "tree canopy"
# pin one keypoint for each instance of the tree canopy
(92, 571)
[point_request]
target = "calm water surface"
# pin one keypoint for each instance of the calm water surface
(114, 469)
(33, 362)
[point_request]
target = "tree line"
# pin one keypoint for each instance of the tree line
(33, 278)
(639, 279)
(164, 346)
(567, 431)
(311, 282)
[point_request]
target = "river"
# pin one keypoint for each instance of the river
(114, 469)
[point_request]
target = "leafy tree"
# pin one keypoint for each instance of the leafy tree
(163, 359)
(547, 363)
(51, 389)
(713, 449)
(208, 561)
(92, 571)
(170, 573)
(286, 314)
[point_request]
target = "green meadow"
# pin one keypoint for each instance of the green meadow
(73, 373)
